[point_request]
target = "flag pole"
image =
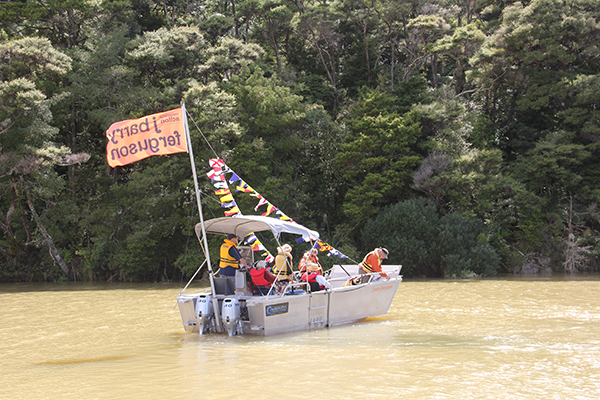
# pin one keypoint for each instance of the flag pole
(205, 245)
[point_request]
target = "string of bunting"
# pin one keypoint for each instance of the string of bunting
(217, 177)
(322, 246)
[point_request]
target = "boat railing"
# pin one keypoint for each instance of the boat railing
(292, 288)
(343, 276)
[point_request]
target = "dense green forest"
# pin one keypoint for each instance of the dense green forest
(462, 135)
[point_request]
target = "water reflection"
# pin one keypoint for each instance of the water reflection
(504, 338)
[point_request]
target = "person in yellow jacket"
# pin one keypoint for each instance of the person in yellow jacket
(231, 258)
(283, 268)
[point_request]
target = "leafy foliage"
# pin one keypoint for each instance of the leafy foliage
(337, 112)
(429, 245)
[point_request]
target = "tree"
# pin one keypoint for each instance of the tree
(275, 17)
(317, 26)
(27, 152)
(167, 55)
(228, 59)
(527, 69)
(429, 245)
(268, 150)
(378, 156)
(460, 46)
(61, 21)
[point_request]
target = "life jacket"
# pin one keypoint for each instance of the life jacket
(226, 259)
(312, 280)
(312, 277)
(369, 267)
(258, 277)
(305, 260)
(283, 262)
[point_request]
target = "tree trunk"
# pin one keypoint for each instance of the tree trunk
(53, 251)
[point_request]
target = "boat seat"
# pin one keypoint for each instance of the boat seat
(260, 290)
(224, 285)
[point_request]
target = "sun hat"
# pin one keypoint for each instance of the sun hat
(384, 251)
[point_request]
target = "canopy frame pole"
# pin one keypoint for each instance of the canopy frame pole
(279, 272)
(205, 244)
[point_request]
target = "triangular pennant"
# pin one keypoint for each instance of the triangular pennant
(229, 204)
(220, 185)
(324, 246)
(261, 202)
(227, 198)
(222, 192)
(214, 176)
(270, 209)
(336, 253)
(234, 178)
(282, 216)
(250, 238)
(244, 187)
(216, 162)
(231, 212)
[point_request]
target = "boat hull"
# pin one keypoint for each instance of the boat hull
(271, 315)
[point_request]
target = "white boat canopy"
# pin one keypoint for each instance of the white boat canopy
(243, 226)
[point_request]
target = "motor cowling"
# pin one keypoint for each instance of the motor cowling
(205, 313)
(230, 315)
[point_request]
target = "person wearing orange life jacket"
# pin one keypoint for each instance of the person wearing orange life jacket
(372, 263)
(230, 257)
(261, 278)
(312, 271)
(310, 261)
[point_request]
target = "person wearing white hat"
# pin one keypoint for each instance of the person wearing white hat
(283, 268)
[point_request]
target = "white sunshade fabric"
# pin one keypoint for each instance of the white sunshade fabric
(243, 226)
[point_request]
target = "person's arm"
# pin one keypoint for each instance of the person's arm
(302, 264)
(269, 276)
(234, 252)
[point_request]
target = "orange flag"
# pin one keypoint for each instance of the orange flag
(135, 139)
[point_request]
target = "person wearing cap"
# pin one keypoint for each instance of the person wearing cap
(230, 256)
(372, 263)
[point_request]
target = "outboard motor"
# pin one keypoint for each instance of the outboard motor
(230, 315)
(205, 313)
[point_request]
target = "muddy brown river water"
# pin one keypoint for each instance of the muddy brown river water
(505, 338)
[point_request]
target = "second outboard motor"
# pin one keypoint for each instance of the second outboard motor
(230, 315)
(205, 313)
